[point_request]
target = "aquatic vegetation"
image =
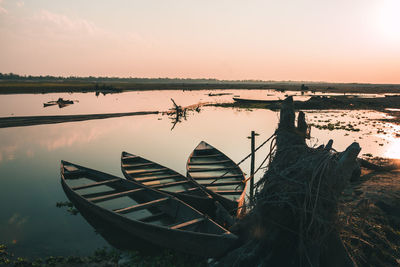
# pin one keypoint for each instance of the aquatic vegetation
(70, 207)
(336, 126)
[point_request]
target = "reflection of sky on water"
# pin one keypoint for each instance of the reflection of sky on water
(88, 103)
(30, 178)
(30, 159)
(29, 104)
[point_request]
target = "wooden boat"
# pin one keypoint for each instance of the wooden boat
(255, 101)
(156, 176)
(219, 174)
(146, 213)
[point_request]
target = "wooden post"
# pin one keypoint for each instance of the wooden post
(253, 134)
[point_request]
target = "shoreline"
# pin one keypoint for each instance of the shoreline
(41, 87)
(19, 121)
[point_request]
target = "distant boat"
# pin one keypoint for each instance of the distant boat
(255, 101)
(159, 177)
(219, 94)
(151, 215)
(219, 174)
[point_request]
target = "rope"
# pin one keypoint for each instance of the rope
(240, 162)
(272, 147)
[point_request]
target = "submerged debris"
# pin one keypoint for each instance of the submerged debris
(60, 102)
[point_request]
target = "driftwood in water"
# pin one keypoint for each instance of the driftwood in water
(179, 113)
(293, 221)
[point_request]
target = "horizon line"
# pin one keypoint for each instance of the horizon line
(27, 76)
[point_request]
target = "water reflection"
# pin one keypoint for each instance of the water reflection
(30, 156)
(393, 150)
(32, 104)
(17, 220)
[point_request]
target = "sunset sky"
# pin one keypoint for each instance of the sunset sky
(303, 40)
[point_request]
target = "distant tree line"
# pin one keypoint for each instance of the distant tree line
(48, 78)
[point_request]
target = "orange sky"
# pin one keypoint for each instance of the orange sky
(340, 41)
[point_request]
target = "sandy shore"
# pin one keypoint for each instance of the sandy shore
(37, 120)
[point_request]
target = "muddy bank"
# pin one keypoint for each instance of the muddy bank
(6, 122)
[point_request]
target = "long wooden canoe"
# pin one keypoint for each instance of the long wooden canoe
(156, 176)
(219, 174)
(146, 213)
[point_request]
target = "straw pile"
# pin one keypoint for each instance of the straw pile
(294, 219)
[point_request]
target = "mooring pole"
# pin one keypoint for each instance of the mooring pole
(253, 135)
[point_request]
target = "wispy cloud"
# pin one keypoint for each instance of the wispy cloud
(62, 23)
(2, 9)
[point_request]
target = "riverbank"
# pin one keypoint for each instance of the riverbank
(58, 86)
(388, 104)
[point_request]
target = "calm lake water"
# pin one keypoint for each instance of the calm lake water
(31, 224)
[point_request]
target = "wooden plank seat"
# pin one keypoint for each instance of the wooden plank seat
(131, 172)
(127, 166)
(141, 205)
(155, 178)
(211, 169)
(116, 195)
(217, 177)
(171, 184)
(95, 184)
(209, 163)
(223, 183)
(185, 224)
